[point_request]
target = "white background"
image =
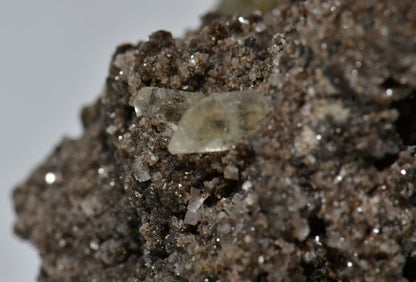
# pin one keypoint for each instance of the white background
(54, 58)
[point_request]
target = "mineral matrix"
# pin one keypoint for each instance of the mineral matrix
(323, 191)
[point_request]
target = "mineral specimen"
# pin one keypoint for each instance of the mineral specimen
(217, 122)
(321, 188)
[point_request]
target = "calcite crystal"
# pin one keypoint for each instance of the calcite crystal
(323, 189)
(218, 122)
(164, 104)
(210, 124)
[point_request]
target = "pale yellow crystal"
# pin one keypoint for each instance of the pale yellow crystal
(217, 122)
(164, 104)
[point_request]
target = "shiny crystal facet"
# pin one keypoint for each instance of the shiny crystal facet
(217, 122)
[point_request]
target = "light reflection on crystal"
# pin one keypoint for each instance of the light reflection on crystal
(243, 20)
(338, 179)
(50, 178)
(318, 240)
(101, 171)
(247, 185)
(94, 245)
(192, 60)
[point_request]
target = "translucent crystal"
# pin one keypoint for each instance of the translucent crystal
(164, 104)
(193, 214)
(140, 170)
(217, 122)
(231, 172)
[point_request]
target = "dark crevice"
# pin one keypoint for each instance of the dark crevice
(337, 260)
(229, 189)
(313, 270)
(317, 226)
(209, 277)
(385, 162)
(262, 277)
(134, 223)
(210, 201)
(180, 210)
(224, 190)
(192, 229)
(409, 269)
(406, 123)
(156, 254)
(371, 190)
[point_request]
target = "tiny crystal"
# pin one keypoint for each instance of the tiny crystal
(94, 246)
(217, 122)
(231, 172)
(193, 215)
(247, 185)
(140, 171)
(164, 104)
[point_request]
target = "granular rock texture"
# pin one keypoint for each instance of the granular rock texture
(324, 191)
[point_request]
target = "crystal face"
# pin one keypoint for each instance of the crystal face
(164, 104)
(202, 124)
(217, 122)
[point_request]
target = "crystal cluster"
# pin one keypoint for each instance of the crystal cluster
(209, 124)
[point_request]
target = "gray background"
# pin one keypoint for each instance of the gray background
(54, 57)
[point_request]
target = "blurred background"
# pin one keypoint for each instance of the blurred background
(54, 58)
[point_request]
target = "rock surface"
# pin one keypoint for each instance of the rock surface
(325, 190)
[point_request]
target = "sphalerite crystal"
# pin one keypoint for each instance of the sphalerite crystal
(217, 122)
